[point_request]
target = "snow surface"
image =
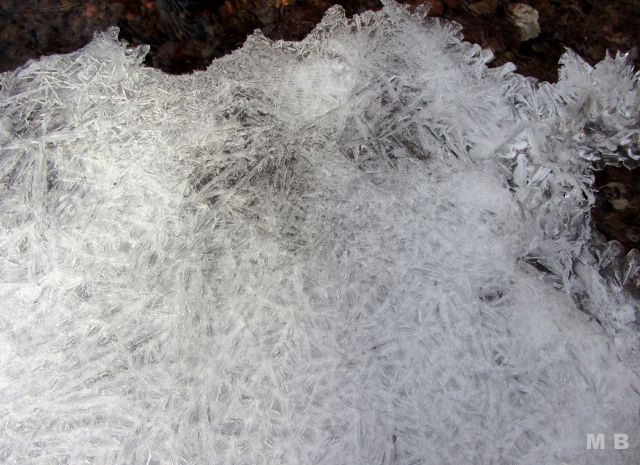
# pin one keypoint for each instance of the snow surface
(326, 252)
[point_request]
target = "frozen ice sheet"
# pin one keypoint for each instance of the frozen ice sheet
(312, 253)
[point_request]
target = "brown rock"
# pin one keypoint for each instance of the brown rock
(495, 43)
(525, 18)
(545, 8)
(436, 8)
(484, 7)
(596, 51)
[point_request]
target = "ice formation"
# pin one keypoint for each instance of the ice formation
(364, 248)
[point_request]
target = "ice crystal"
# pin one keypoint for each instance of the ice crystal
(363, 248)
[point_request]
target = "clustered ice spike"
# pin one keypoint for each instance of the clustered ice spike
(363, 248)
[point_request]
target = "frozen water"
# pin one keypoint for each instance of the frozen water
(364, 248)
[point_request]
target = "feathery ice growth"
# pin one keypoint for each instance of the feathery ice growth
(364, 248)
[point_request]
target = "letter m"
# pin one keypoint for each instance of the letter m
(595, 441)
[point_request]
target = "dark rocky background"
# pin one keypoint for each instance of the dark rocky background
(185, 35)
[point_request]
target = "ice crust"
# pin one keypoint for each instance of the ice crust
(364, 248)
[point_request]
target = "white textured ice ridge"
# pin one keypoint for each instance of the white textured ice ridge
(312, 253)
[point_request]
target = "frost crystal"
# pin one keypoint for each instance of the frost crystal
(364, 248)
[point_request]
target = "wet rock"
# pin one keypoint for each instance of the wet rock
(484, 7)
(436, 8)
(495, 43)
(525, 18)
(616, 212)
(616, 194)
(596, 52)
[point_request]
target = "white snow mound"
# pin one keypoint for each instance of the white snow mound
(324, 252)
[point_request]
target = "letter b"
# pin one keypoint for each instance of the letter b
(620, 441)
